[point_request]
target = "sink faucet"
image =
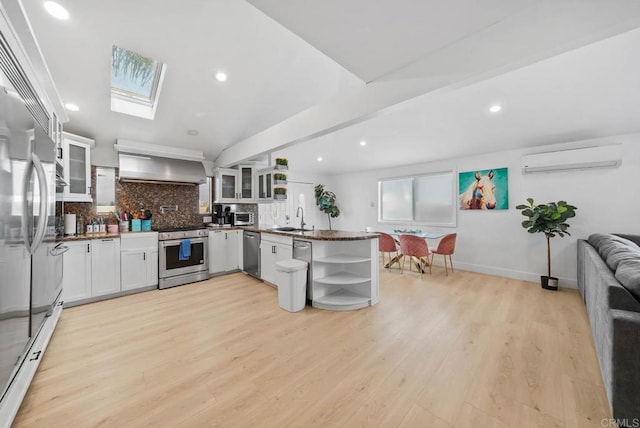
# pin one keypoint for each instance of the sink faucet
(302, 223)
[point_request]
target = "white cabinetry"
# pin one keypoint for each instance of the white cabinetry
(345, 274)
(138, 260)
(91, 268)
(105, 266)
(267, 180)
(273, 248)
(76, 159)
(234, 185)
(223, 251)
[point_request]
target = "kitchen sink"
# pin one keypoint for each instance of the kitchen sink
(291, 229)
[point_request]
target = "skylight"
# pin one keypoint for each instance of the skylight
(135, 83)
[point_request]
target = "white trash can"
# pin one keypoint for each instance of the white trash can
(291, 279)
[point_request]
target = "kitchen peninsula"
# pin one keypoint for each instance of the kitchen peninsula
(343, 266)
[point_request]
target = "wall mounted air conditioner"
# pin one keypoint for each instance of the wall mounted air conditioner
(564, 160)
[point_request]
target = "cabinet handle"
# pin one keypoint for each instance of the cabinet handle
(88, 251)
(144, 256)
(107, 240)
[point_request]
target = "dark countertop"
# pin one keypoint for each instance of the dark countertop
(318, 235)
(87, 237)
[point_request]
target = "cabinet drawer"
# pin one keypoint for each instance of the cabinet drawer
(135, 240)
(276, 239)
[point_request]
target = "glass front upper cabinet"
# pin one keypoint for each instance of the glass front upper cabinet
(76, 159)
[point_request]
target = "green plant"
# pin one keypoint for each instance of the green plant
(326, 201)
(550, 219)
(282, 161)
(278, 176)
(279, 191)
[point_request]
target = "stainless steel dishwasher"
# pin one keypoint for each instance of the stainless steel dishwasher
(251, 253)
(302, 250)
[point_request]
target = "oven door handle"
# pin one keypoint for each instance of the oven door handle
(178, 241)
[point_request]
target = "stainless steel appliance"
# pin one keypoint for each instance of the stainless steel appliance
(302, 250)
(251, 253)
(243, 219)
(30, 257)
(171, 270)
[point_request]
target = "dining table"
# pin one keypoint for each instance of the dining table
(400, 257)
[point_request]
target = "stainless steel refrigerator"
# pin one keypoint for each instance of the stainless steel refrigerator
(30, 257)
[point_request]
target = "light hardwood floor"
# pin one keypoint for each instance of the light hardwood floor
(464, 350)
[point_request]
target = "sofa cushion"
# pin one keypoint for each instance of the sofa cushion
(628, 273)
(607, 243)
(620, 253)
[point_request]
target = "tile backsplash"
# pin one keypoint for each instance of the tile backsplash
(132, 197)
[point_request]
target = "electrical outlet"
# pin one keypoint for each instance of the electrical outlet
(207, 219)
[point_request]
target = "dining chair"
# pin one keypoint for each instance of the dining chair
(387, 245)
(446, 247)
(415, 246)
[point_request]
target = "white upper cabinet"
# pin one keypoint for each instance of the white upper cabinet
(76, 158)
(234, 185)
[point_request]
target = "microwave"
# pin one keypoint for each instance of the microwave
(243, 219)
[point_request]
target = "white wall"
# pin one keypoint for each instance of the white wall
(494, 242)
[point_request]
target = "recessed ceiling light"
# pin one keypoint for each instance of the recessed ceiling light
(363, 143)
(319, 158)
(193, 132)
(71, 107)
(495, 108)
(56, 10)
(221, 77)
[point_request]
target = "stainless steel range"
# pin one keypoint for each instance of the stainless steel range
(175, 267)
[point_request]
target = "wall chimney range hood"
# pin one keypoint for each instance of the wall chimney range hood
(149, 163)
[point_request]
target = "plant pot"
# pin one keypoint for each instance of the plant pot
(549, 283)
(282, 167)
(279, 197)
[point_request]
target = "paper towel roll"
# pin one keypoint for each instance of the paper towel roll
(69, 224)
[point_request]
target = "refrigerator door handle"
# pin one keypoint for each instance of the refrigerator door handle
(44, 204)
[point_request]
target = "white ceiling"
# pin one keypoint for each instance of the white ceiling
(272, 73)
(374, 38)
(590, 92)
(283, 89)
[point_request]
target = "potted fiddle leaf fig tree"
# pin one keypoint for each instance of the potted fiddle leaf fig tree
(550, 219)
(326, 201)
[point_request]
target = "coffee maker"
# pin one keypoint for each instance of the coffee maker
(222, 215)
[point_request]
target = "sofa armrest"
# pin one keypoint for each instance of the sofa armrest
(625, 382)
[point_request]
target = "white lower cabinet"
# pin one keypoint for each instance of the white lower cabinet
(273, 248)
(223, 251)
(91, 268)
(105, 266)
(138, 260)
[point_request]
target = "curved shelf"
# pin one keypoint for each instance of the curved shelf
(342, 258)
(342, 278)
(342, 300)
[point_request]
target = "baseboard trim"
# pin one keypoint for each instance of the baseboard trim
(514, 274)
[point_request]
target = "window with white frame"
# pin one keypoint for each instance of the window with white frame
(425, 199)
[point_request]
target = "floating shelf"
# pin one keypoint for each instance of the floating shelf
(342, 258)
(342, 278)
(342, 299)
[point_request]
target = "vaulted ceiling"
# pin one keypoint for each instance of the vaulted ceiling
(307, 77)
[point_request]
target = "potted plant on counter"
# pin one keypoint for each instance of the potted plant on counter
(279, 193)
(326, 201)
(550, 219)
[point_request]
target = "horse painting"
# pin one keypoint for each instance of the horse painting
(481, 194)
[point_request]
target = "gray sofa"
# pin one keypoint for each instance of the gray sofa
(609, 282)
